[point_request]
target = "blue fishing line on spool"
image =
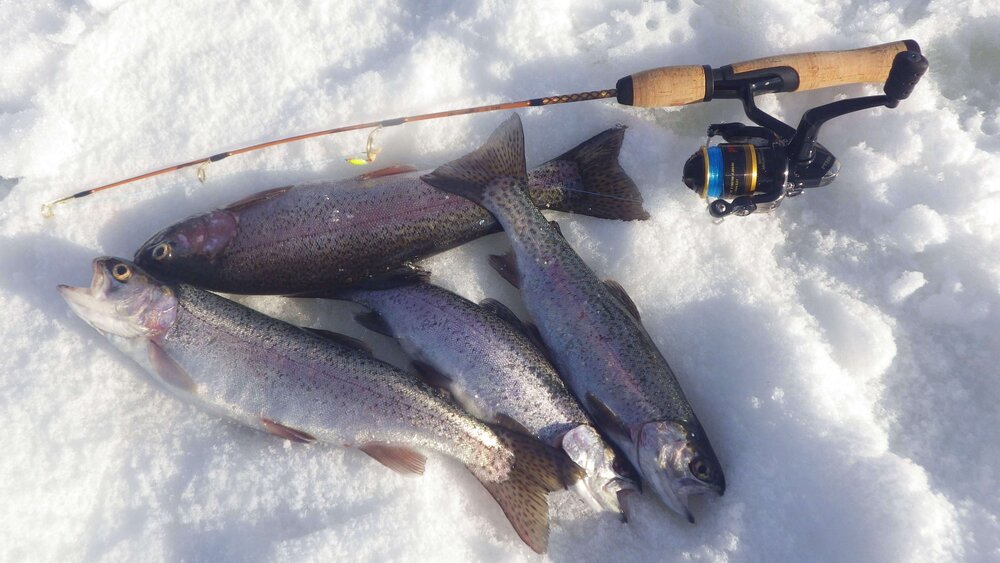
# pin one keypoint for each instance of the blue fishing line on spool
(714, 172)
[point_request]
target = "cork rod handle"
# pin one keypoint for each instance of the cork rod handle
(679, 85)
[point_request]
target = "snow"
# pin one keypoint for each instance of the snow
(841, 352)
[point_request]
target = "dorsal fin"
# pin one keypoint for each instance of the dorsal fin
(342, 339)
(502, 311)
(387, 171)
(535, 336)
(256, 198)
(506, 266)
(622, 296)
(400, 459)
(529, 330)
(500, 157)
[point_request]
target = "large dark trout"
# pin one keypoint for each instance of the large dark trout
(316, 236)
(311, 386)
(485, 357)
(592, 329)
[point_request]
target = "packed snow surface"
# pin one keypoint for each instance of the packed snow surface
(841, 352)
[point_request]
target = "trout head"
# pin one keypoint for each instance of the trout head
(676, 461)
(123, 302)
(189, 249)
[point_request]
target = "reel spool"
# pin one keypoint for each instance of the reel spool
(757, 166)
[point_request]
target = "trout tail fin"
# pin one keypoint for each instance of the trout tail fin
(500, 159)
(536, 471)
(592, 180)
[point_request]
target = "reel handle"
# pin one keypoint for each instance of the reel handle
(680, 85)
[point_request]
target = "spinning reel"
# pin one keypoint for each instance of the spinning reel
(757, 166)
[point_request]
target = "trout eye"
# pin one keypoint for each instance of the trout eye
(121, 272)
(700, 469)
(161, 251)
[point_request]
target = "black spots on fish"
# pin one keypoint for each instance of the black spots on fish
(286, 432)
(502, 156)
(398, 458)
(375, 323)
(169, 370)
(341, 339)
(537, 470)
(256, 199)
(606, 191)
(622, 296)
(506, 266)
(606, 419)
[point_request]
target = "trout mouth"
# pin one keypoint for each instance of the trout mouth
(121, 300)
(88, 302)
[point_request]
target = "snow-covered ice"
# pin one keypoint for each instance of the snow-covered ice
(841, 352)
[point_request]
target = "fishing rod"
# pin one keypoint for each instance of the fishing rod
(666, 87)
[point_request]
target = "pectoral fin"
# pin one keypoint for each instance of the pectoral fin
(398, 458)
(622, 296)
(506, 266)
(374, 322)
(509, 423)
(169, 370)
(286, 432)
(431, 375)
(605, 418)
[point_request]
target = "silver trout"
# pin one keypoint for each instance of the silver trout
(310, 386)
(376, 224)
(591, 328)
(484, 356)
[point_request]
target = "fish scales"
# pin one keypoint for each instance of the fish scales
(598, 344)
(262, 366)
(307, 386)
(436, 325)
(350, 231)
(484, 357)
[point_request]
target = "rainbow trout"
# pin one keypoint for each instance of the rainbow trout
(351, 231)
(484, 356)
(310, 386)
(591, 328)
